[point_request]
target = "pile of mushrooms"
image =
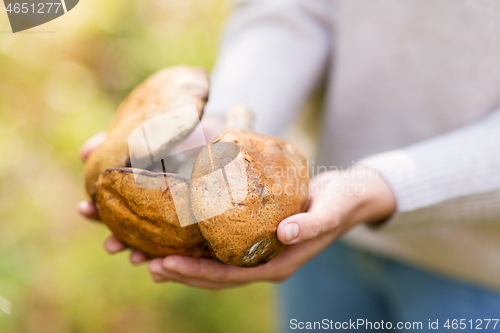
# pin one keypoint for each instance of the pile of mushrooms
(240, 187)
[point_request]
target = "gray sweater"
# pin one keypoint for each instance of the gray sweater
(413, 89)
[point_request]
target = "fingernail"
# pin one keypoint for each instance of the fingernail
(155, 267)
(83, 206)
(137, 257)
(114, 247)
(169, 264)
(291, 231)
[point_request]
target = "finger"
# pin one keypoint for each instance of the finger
(213, 271)
(294, 256)
(155, 267)
(88, 209)
(322, 217)
(279, 269)
(194, 270)
(138, 257)
(207, 269)
(161, 274)
(300, 228)
(196, 283)
(91, 144)
(113, 245)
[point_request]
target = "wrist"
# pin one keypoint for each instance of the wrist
(375, 200)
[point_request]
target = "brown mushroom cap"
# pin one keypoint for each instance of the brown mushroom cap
(243, 185)
(146, 218)
(167, 90)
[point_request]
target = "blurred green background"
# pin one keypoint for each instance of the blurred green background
(59, 84)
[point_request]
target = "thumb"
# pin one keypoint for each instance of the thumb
(305, 226)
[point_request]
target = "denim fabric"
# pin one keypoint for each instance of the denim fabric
(344, 284)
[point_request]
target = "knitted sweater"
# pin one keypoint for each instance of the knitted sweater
(413, 89)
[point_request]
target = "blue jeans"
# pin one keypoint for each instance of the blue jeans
(344, 285)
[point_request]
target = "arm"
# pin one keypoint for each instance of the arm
(274, 53)
(273, 58)
(453, 178)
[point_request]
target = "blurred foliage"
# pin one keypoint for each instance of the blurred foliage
(59, 84)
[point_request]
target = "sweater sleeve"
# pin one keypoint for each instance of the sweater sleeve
(273, 54)
(453, 178)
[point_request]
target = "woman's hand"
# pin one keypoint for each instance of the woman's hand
(339, 201)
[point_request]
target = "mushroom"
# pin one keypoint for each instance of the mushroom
(243, 184)
(138, 205)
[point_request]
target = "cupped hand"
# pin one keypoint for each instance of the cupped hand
(339, 201)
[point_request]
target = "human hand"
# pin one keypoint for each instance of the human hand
(212, 126)
(339, 201)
